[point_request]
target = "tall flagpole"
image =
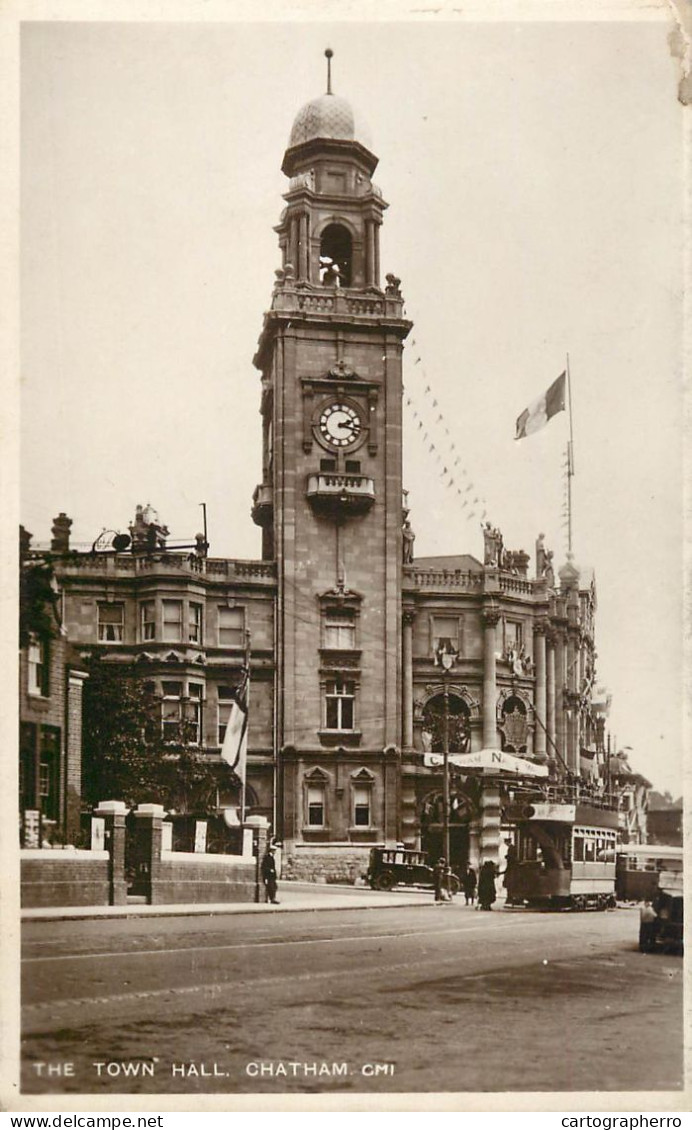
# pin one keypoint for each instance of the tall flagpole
(570, 462)
(247, 725)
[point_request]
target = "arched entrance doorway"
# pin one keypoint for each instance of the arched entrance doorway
(463, 810)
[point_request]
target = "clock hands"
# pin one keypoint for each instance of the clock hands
(350, 425)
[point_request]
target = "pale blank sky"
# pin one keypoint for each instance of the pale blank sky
(534, 173)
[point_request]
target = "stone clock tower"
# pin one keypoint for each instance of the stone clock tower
(330, 501)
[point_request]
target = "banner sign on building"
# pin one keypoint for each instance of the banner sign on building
(489, 760)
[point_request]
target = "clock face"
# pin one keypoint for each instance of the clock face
(340, 425)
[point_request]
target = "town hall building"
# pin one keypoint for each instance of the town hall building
(365, 660)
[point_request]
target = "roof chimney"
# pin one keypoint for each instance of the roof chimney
(61, 534)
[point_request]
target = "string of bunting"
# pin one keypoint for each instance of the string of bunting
(438, 442)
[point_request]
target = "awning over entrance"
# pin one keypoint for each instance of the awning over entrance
(489, 760)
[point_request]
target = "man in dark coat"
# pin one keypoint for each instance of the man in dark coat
(269, 875)
(486, 886)
(469, 882)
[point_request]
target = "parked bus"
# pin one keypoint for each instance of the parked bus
(639, 867)
(564, 850)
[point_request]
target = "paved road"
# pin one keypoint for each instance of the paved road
(420, 998)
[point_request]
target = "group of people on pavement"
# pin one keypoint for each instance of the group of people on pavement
(487, 893)
(442, 879)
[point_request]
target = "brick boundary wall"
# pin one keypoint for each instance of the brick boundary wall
(331, 865)
(188, 877)
(63, 878)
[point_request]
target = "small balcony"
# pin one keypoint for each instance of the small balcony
(340, 494)
(263, 505)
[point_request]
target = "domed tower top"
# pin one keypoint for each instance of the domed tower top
(327, 120)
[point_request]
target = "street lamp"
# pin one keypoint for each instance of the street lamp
(447, 658)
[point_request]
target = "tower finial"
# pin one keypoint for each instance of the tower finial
(329, 55)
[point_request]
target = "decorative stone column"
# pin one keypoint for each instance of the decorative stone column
(407, 662)
(490, 620)
(370, 253)
(560, 720)
(113, 813)
(550, 694)
(392, 799)
(539, 742)
(376, 241)
(303, 250)
(490, 823)
(572, 701)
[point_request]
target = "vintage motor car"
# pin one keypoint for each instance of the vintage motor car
(665, 929)
(392, 867)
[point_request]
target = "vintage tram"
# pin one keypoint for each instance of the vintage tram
(563, 856)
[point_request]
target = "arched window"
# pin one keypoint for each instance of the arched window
(335, 256)
(459, 727)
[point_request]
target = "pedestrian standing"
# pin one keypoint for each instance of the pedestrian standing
(440, 879)
(269, 876)
(469, 883)
(486, 886)
(648, 927)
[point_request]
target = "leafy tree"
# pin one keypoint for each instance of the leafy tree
(38, 602)
(124, 754)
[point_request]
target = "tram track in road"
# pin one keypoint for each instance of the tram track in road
(385, 988)
(260, 944)
(54, 985)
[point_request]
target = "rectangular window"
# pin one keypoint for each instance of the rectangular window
(352, 466)
(316, 806)
(514, 636)
(111, 618)
(44, 779)
(194, 623)
(339, 629)
(172, 621)
(225, 703)
(340, 701)
(361, 806)
(231, 627)
(37, 674)
(147, 620)
(171, 711)
(327, 464)
(445, 633)
(193, 714)
(48, 779)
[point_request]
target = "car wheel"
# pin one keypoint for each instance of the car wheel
(384, 882)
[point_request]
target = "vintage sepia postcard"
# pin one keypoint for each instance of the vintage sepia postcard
(345, 553)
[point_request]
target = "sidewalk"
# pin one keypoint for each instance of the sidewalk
(293, 897)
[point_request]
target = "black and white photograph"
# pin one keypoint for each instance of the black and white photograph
(348, 551)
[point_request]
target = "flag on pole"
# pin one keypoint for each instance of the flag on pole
(234, 748)
(538, 413)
